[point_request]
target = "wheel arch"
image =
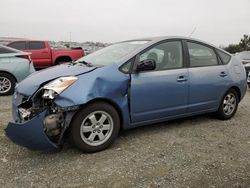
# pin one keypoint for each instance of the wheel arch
(63, 58)
(6, 72)
(110, 102)
(237, 89)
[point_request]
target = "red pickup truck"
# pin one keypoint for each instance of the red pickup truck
(43, 55)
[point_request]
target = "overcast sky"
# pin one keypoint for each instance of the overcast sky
(216, 21)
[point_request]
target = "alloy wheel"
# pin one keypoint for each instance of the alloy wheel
(229, 103)
(96, 128)
(5, 85)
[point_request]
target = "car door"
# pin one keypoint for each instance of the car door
(208, 78)
(163, 92)
(41, 55)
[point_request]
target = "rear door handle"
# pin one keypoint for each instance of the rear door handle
(182, 79)
(223, 74)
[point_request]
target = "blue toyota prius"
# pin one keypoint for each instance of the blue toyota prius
(124, 85)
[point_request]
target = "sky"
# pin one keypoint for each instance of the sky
(220, 22)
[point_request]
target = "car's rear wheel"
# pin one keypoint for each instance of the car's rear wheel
(7, 84)
(228, 105)
(95, 127)
(61, 62)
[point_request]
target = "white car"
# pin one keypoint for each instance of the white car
(15, 65)
(244, 57)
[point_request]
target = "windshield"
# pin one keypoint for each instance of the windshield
(111, 54)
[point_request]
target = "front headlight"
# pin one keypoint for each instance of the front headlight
(57, 86)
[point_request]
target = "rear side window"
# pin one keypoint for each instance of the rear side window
(5, 50)
(18, 45)
(201, 55)
(36, 45)
(225, 58)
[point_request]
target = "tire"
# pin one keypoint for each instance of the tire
(60, 62)
(7, 84)
(95, 127)
(228, 105)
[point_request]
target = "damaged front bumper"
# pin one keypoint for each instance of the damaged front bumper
(31, 134)
(38, 125)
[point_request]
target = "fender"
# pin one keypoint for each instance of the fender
(98, 85)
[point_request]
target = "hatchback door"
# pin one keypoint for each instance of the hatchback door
(163, 92)
(208, 78)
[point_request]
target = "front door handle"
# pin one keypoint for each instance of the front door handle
(223, 74)
(182, 79)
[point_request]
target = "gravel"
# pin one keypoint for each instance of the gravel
(199, 151)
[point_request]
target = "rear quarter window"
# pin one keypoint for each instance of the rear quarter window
(225, 58)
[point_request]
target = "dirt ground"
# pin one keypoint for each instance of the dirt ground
(194, 152)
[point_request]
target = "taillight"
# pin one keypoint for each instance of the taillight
(25, 57)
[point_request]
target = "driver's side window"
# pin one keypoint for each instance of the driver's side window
(166, 55)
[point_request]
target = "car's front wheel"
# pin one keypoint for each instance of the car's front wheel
(7, 84)
(228, 105)
(95, 127)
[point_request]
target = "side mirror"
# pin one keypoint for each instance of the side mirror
(146, 65)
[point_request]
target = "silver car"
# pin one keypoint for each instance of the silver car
(244, 57)
(15, 65)
(248, 80)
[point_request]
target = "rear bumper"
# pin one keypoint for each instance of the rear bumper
(30, 134)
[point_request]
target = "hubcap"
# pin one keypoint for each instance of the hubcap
(229, 104)
(96, 128)
(5, 85)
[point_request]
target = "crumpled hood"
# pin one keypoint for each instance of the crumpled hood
(29, 85)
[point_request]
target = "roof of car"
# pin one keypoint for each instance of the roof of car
(160, 38)
(28, 40)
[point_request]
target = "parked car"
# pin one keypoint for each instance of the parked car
(248, 80)
(125, 85)
(245, 59)
(15, 65)
(44, 56)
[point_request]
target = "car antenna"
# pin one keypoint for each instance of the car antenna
(192, 32)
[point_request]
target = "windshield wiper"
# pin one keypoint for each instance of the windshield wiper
(85, 63)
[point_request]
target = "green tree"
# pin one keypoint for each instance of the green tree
(245, 42)
(233, 48)
(243, 45)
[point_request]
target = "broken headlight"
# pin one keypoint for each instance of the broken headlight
(57, 86)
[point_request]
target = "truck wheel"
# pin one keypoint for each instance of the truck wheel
(228, 105)
(95, 127)
(61, 62)
(7, 84)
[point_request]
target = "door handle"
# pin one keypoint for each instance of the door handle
(223, 74)
(182, 79)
